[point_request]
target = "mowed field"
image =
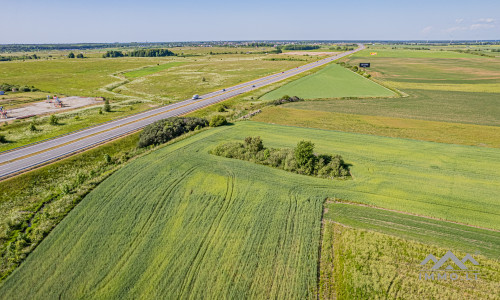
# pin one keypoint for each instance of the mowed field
(332, 81)
(182, 223)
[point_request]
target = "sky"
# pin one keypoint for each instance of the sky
(57, 21)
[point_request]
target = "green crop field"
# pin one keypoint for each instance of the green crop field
(333, 81)
(430, 231)
(361, 264)
(186, 225)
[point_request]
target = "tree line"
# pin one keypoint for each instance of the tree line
(140, 53)
(300, 47)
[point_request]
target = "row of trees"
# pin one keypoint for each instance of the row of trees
(301, 159)
(140, 53)
(300, 47)
(22, 57)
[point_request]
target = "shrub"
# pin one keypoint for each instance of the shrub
(80, 55)
(32, 127)
(107, 106)
(3, 140)
(53, 120)
(71, 55)
(217, 121)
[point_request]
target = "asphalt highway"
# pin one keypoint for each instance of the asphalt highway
(24, 158)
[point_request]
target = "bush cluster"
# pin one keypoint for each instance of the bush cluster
(164, 130)
(9, 87)
(355, 69)
(301, 159)
(286, 99)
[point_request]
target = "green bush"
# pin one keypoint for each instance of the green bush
(217, 121)
(53, 120)
(71, 55)
(107, 106)
(3, 140)
(301, 160)
(164, 130)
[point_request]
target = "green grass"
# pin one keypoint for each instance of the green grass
(333, 81)
(442, 132)
(442, 106)
(71, 77)
(429, 231)
(360, 264)
(151, 70)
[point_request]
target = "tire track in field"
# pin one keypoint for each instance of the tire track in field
(289, 230)
(136, 242)
(208, 239)
(282, 242)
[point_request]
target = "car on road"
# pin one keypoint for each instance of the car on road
(223, 90)
(253, 86)
(195, 97)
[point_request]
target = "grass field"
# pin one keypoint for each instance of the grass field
(361, 264)
(205, 76)
(151, 70)
(442, 132)
(333, 81)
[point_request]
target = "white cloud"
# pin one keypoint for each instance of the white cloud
(427, 29)
(486, 20)
(481, 26)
